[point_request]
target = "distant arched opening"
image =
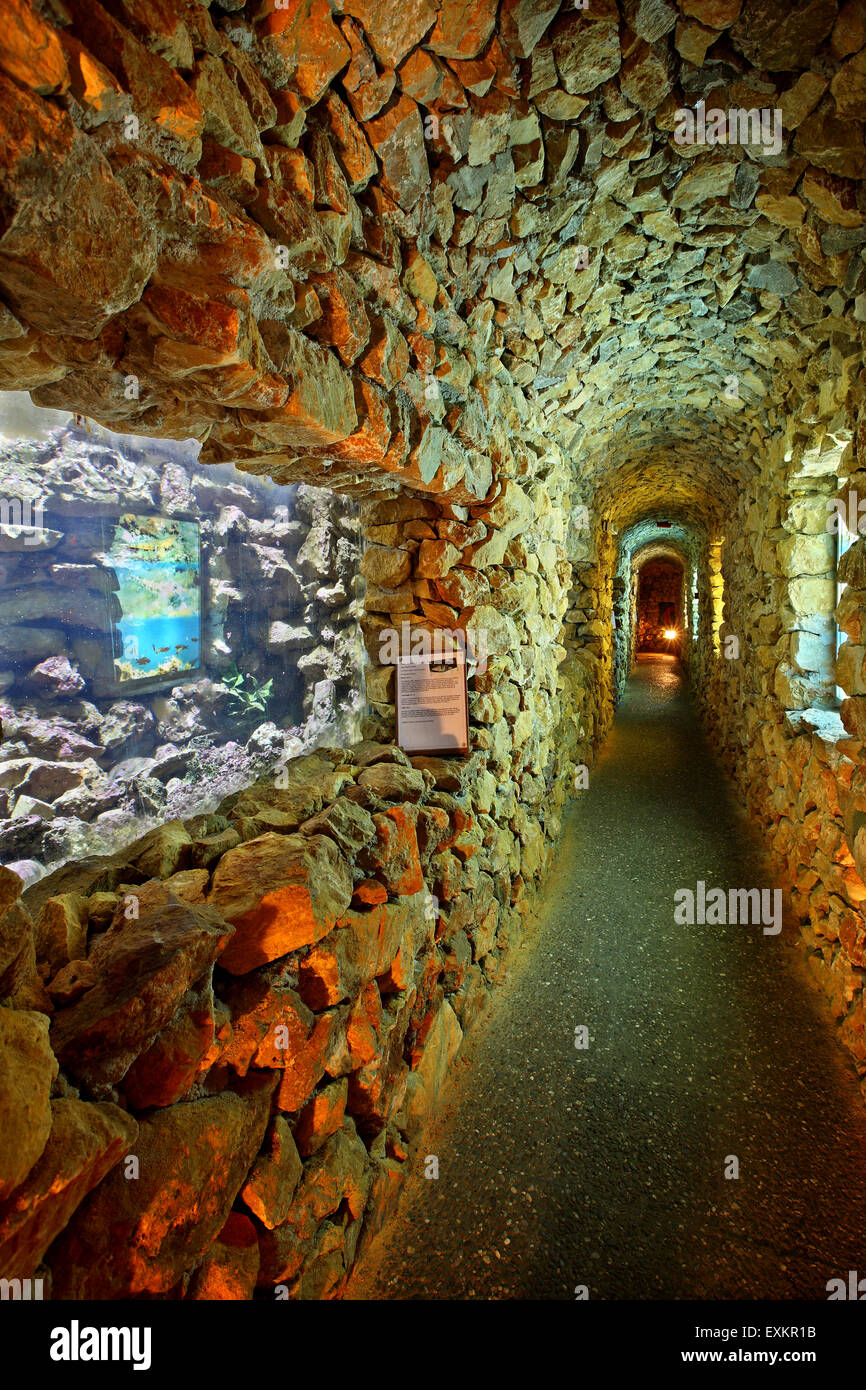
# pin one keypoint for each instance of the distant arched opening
(660, 606)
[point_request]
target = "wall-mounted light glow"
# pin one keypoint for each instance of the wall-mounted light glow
(671, 633)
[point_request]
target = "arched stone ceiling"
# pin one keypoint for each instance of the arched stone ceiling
(690, 485)
(489, 196)
(649, 552)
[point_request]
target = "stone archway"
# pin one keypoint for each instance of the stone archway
(660, 605)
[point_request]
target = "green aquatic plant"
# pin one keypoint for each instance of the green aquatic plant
(247, 696)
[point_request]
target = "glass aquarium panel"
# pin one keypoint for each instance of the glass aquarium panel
(169, 632)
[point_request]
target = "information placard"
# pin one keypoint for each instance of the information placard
(432, 703)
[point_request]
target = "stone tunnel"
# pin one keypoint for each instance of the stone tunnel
(532, 323)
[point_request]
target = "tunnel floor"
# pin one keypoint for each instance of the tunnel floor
(605, 1167)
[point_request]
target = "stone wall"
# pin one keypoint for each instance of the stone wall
(588, 690)
(704, 647)
(284, 1047)
(80, 770)
(305, 962)
(770, 703)
(308, 957)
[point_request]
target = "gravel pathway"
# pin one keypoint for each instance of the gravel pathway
(605, 1166)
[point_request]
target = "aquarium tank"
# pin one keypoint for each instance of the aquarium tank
(169, 632)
